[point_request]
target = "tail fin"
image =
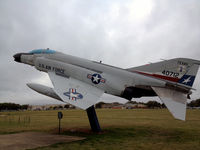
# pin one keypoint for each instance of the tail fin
(179, 70)
(189, 77)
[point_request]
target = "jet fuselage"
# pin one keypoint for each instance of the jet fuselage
(112, 80)
(82, 82)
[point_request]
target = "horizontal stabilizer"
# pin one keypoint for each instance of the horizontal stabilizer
(175, 101)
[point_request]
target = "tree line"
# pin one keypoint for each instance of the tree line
(194, 103)
(12, 106)
(149, 104)
(152, 104)
(155, 104)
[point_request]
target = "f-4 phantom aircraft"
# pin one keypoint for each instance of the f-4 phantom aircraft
(81, 82)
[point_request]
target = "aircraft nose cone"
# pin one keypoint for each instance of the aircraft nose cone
(17, 57)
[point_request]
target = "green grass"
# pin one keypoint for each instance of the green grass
(122, 129)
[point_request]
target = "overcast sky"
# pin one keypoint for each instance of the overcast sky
(123, 33)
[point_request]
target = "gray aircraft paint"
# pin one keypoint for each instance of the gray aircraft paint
(171, 80)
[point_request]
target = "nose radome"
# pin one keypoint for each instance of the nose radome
(17, 57)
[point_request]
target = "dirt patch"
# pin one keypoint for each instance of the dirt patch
(30, 140)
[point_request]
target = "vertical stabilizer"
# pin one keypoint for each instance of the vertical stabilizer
(178, 70)
(189, 77)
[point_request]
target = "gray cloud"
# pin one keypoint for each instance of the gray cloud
(120, 33)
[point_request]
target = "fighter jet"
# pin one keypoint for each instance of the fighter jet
(82, 82)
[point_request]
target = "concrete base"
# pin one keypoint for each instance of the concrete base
(31, 140)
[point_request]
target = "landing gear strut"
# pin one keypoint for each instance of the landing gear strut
(92, 116)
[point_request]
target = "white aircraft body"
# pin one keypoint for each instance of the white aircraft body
(82, 82)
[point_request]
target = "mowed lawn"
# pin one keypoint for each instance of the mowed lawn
(121, 129)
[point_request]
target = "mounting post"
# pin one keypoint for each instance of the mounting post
(94, 123)
(60, 115)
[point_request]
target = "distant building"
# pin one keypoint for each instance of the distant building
(128, 105)
(141, 106)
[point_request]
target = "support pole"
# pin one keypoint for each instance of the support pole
(59, 126)
(94, 123)
(60, 115)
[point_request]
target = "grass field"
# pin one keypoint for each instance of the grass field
(122, 129)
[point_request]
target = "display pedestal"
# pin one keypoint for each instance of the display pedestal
(94, 123)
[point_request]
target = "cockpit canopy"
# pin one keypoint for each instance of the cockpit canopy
(42, 51)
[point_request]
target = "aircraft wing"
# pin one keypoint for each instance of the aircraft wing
(74, 91)
(174, 100)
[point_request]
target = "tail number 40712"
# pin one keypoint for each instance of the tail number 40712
(170, 73)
